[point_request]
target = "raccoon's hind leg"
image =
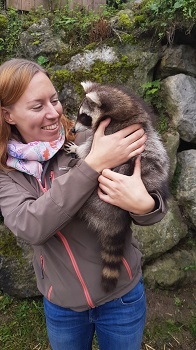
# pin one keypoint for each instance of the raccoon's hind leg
(112, 248)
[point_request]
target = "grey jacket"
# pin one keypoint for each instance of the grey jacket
(66, 253)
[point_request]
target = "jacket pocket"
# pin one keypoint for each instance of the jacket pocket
(135, 295)
(42, 266)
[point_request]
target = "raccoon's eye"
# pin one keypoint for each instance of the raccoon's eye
(85, 119)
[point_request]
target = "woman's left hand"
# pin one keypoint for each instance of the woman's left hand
(126, 192)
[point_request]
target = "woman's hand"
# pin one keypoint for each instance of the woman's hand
(109, 151)
(126, 192)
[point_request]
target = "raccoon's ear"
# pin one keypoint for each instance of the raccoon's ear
(92, 96)
(86, 85)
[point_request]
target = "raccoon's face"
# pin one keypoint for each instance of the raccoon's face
(90, 111)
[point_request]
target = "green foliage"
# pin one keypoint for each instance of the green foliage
(77, 28)
(12, 30)
(124, 21)
(2, 44)
(152, 96)
(190, 267)
(42, 60)
(3, 23)
(163, 17)
(192, 326)
(116, 4)
(151, 89)
(178, 302)
(187, 8)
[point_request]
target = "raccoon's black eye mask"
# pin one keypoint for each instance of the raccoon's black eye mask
(85, 119)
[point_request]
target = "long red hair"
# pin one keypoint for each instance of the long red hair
(15, 76)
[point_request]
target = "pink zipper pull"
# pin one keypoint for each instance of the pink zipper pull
(52, 175)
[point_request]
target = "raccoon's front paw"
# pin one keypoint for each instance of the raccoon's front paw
(70, 147)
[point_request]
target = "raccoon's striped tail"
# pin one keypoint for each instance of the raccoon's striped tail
(111, 254)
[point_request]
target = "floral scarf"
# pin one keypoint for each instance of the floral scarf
(28, 157)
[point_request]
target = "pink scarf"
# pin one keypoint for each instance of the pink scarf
(27, 157)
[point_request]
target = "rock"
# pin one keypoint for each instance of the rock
(143, 62)
(88, 58)
(186, 189)
(172, 270)
(157, 239)
(179, 93)
(39, 40)
(177, 59)
(17, 277)
(171, 142)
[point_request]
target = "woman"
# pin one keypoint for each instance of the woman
(41, 190)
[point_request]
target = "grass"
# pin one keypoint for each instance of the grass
(171, 320)
(22, 326)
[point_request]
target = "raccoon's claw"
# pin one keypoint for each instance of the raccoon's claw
(70, 147)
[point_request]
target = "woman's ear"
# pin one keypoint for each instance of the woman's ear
(7, 116)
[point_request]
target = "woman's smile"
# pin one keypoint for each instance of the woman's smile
(50, 127)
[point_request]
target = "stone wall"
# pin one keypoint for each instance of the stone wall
(168, 247)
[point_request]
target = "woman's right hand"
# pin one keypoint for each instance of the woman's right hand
(109, 151)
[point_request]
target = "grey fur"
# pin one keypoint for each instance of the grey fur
(111, 222)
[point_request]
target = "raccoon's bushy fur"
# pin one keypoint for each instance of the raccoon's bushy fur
(110, 222)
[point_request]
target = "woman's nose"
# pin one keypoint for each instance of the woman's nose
(51, 111)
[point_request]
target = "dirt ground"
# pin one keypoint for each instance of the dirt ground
(171, 320)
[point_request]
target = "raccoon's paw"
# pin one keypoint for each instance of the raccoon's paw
(70, 147)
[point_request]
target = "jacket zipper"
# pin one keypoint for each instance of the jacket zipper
(49, 293)
(68, 249)
(42, 266)
(44, 189)
(76, 268)
(127, 267)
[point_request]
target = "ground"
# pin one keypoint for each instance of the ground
(171, 320)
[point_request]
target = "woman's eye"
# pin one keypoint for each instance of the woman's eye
(55, 101)
(37, 108)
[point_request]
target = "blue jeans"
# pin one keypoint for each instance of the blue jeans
(119, 324)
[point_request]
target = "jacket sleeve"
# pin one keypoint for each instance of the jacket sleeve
(153, 217)
(37, 219)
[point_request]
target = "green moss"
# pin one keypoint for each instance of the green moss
(91, 46)
(128, 38)
(3, 22)
(60, 77)
(162, 123)
(175, 179)
(101, 72)
(124, 21)
(138, 20)
(8, 244)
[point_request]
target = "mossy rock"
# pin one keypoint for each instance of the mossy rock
(8, 244)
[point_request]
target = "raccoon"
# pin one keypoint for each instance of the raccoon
(110, 222)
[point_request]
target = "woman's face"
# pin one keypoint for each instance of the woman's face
(37, 113)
